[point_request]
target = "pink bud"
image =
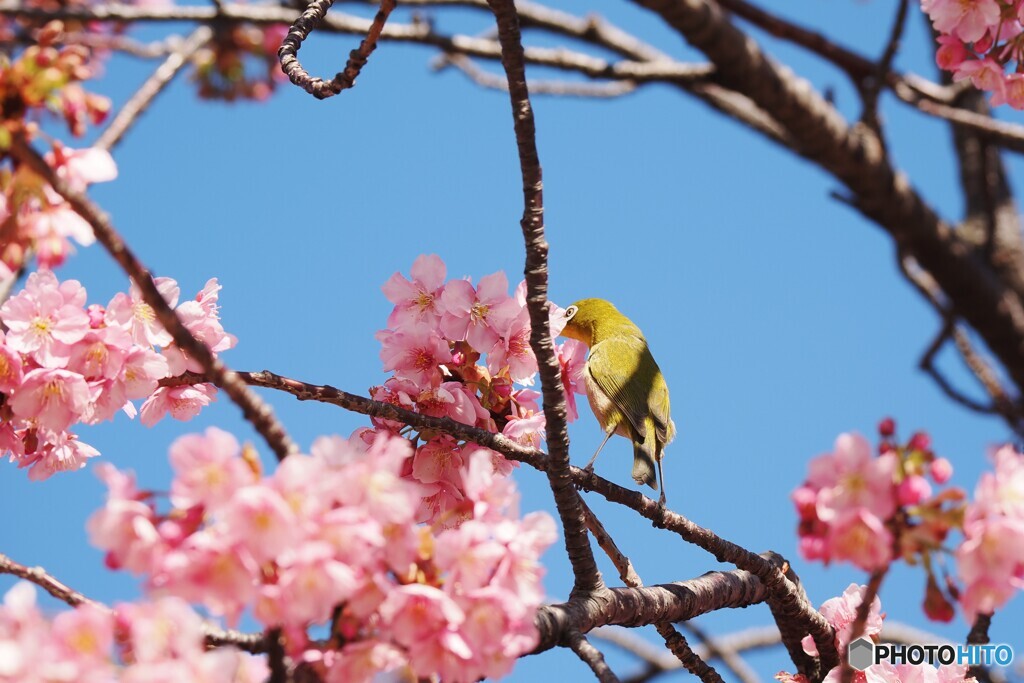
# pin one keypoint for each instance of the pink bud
(913, 490)
(805, 499)
(96, 313)
(887, 427)
(920, 441)
(941, 470)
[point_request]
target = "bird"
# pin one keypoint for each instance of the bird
(625, 386)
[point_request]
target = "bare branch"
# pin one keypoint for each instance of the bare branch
(676, 643)
(607, 544)
(978, 635)
(214, 636)
(253, 408)
(485, 79)
(872, 87)
(41, 578)
(730, 657)
(300, 30)
(154, 85)
(591, 656)
(567, 499)
(861, 619)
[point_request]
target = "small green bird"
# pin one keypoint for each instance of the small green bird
(625, 387)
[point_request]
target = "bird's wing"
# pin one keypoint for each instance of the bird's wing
(623, 368)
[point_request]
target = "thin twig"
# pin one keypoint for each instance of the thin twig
(731, 658)
(215, 636)
(154, 85)
(607, 544)
(587, 578)
(676, 643)
(872, 87)
(485, 79)
(591, 656)
(861, 619)
(253, 408)
(343, 80)
(41, 578)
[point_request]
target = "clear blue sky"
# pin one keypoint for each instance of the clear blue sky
(777, 314)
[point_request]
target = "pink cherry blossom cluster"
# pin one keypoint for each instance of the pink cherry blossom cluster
(63, 363)
(149, 641)
(331, 537)
(241, 63)
(46, 77)
(841, 612)
(990, 561)
(37, 220)
(869, 510)
(980, 40)
(459, 351)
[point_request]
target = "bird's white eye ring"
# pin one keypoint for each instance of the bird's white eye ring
(570, 312)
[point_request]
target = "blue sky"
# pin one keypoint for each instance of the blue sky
(776, 313)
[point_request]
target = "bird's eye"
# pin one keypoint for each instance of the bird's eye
(570, 312)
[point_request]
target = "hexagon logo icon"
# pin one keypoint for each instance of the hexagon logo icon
(861, 653)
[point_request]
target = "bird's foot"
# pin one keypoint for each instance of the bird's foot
(589, 469)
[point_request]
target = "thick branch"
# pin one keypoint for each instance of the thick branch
(642, 606)
(883, 195)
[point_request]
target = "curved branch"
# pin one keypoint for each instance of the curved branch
(343, 80)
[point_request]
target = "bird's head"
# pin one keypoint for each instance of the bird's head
(590, 320)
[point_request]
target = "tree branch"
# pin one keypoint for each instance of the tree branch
(254, 409)
(300, 30)
(567, 500)
(154, 85)
(591, 656)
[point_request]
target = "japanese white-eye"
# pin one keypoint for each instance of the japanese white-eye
(625, 387)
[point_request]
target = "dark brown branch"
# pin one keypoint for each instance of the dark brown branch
(607, 544)
(276, 660)
(861, 619)
(1009, 136)
(677, 645)
(567, 500)
(632, 607)
(591, 656)
(253, 408)
(871, 88)
(41, 578)
(791, 607)
(215, 637)
(343, 80)
(731, 658)
(154, 85)
(978, 635)
(1001, 403)
(820, 133)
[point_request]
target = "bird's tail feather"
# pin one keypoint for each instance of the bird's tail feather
(643, 465)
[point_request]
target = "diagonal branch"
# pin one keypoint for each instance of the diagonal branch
(591, 656)
(154, 85)
(577, 544)
(37, 575)
(253, 408)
